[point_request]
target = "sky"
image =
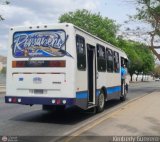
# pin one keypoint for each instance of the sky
(34, 12)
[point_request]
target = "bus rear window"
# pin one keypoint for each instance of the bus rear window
(50, 43)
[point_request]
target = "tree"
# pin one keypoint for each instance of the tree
(3, 2)
(148, 12)
(135, 61)
(140, 57)
(147, 59)
(157, 72)
(106, 29)
(103, 28)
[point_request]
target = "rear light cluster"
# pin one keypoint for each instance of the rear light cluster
(53, 101)
(59, 101)
(57, 63)
(32, 63)
(18, 64)
(14, 100)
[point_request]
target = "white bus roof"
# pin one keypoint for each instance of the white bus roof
(100, 40)
(48, 26)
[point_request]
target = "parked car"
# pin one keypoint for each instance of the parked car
(157, 79)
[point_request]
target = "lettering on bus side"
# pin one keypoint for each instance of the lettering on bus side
(49, 43)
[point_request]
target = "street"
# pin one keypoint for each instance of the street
(18, 120)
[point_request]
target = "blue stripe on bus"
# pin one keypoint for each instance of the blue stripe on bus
(113, 90)
(82, 95)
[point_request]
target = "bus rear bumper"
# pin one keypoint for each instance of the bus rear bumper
(67, 102)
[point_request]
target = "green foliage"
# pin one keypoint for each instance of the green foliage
(103, 28)
(157, 71)
(141, 59)
(148, 60)
(148, 11)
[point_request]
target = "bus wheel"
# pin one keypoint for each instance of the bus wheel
(101, 102)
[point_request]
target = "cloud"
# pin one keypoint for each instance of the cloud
(91, 5)
(44, 11)
(28, 12)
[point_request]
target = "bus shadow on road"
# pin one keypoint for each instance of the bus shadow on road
(112, 103)
(68, 117)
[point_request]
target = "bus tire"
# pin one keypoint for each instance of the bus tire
(101, 102)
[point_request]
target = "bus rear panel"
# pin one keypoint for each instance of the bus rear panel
(62, 65)
(40, 67)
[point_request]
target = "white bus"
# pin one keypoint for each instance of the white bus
(62, 65)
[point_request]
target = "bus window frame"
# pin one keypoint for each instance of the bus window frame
(38, 31)
(84, 54)
(118, 63)
(100, 58)
(108, 69)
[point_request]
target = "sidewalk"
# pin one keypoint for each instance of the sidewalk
(139, 118)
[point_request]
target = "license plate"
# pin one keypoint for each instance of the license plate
(38, 91)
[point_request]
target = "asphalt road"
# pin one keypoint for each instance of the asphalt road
(18, 120)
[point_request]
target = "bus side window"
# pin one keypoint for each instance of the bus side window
(101, 58)
(81, 53)
(116, 62)
(109, 60)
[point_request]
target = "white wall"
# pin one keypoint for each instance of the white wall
(146, 78)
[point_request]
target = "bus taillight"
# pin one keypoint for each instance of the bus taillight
(58, 101)
(14, 100)
(57, 63)
(17, 64)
